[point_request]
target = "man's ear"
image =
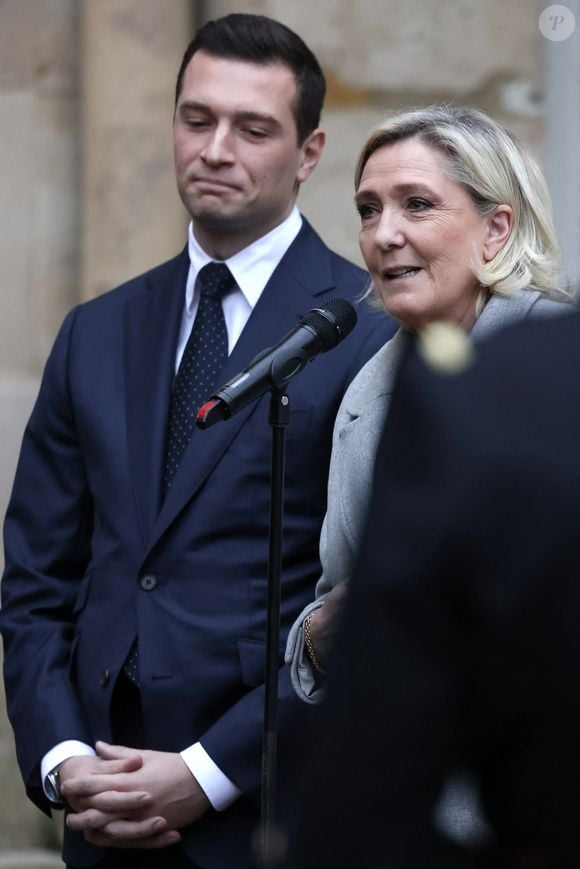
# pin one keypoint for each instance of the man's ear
(499, 227)
(312, 148)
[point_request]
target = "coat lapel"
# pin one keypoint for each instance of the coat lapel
(362, 419)
(303, 273)
(151, 328)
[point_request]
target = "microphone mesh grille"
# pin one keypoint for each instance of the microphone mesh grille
(332, 322)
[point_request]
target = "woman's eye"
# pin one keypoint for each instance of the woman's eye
(417, 204)
(366, 210)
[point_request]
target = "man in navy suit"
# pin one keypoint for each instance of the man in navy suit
(459, 652)
(134, 611)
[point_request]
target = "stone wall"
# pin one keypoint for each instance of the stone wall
(39, 210)
(88, 196)
(381, 55)
(88, 199)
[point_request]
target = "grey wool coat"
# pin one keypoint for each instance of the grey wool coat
(357, 431)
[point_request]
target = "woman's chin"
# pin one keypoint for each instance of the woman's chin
(412, 317)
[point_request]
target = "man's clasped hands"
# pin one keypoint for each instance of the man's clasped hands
(130, 798)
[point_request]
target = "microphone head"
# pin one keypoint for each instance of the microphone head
(332, 322)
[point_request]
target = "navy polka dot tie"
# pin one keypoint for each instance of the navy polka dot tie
(203, 358)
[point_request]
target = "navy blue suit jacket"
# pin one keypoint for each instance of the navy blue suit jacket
(86, 524)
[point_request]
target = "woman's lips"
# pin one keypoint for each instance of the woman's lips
(400, 273)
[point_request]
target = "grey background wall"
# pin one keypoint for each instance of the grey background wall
(87, 196)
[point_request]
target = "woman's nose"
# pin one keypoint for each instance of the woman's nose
(388, 231)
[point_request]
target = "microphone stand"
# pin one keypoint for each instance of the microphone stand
(270, 842)
(319, 331)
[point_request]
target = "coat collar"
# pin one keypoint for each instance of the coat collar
(377, 378)
(502, 310)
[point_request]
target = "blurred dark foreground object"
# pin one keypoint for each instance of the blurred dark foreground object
(460, 647)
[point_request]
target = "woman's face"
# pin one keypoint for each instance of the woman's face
(420, 234)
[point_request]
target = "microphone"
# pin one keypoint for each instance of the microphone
(320, 330)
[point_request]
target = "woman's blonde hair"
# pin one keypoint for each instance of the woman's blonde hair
(495, 169)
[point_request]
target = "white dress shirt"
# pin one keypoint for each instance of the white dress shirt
(251, 268)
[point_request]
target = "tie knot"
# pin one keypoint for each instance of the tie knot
(215, 279)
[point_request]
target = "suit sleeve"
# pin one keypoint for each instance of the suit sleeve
(47, 546)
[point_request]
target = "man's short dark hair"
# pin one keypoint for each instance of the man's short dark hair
(257, 39)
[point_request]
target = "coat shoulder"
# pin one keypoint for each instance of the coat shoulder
(164, 274)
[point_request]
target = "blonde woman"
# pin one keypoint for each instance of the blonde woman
(456, 225)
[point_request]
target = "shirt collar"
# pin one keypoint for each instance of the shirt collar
(251, 267)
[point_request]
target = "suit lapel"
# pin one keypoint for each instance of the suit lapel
(151, 328)
(303, 273)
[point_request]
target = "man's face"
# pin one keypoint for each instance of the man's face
(237, 158)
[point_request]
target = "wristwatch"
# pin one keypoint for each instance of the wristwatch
(52, 784)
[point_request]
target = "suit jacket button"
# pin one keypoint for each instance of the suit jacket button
(104, 680)
(148, 582)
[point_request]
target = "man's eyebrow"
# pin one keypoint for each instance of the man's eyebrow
(241, 115)
(193, 105)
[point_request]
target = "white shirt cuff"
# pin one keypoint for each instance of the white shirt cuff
(58, 755)
(220, 791)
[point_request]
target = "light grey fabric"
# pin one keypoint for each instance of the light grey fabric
(358, 427)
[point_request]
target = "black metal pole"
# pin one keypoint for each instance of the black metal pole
(269, 850)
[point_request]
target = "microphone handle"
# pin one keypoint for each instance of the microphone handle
(274, 366)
